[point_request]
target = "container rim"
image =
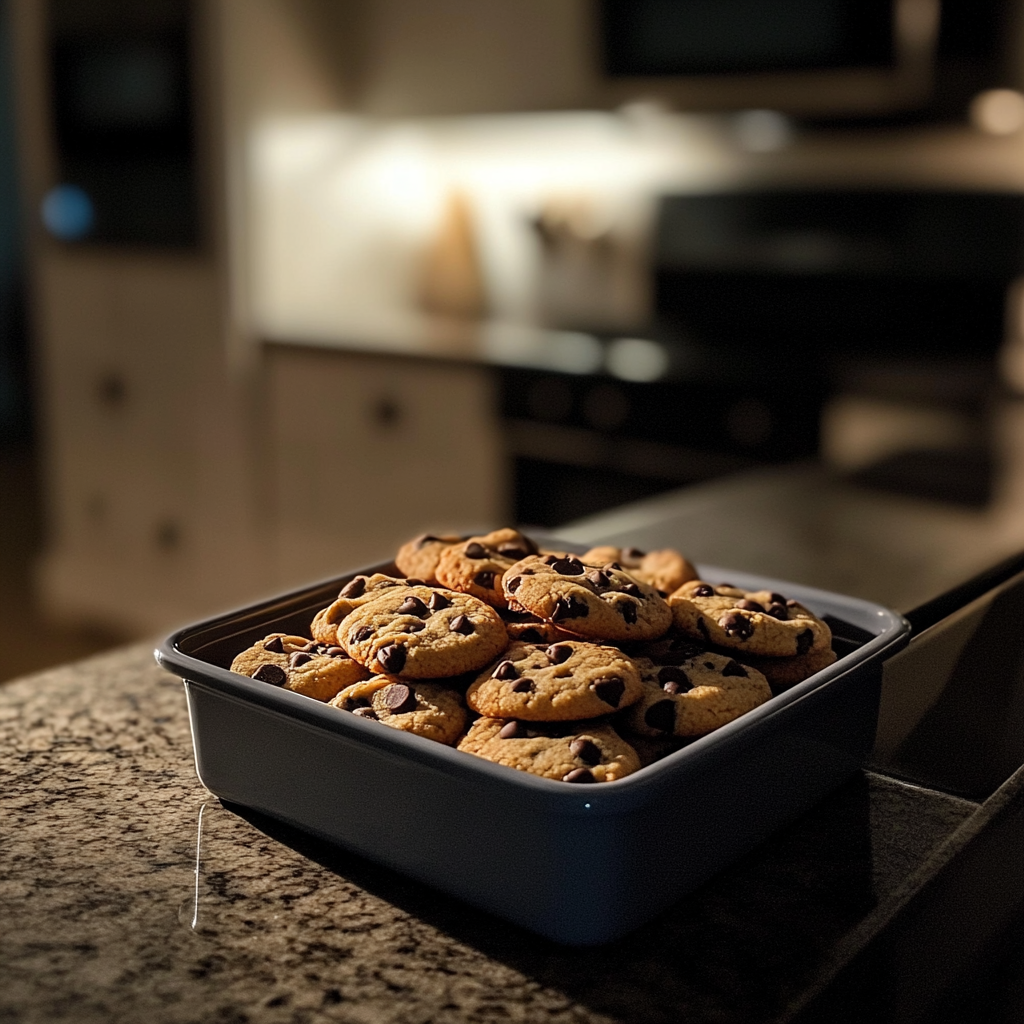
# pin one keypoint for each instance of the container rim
(178, 654)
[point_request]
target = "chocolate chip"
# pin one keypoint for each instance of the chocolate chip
(778, 611)
(776, 598)
(568, 567)
(273, 674)
(512, 551)
(599, 578)
(674, 680)
(804, 641)
(437, 602)
(398, 698)
(734, 668)
(579, 775)
(737, 625)
(412, 605)
(365, 713)
(354, 588)
(614, 565)
(511, 730)
(627, 609)
(484, 579)
(513, 584)
(392, 658)
(550, 559)
(531, 635)
(522, 686)
(792, 604)
(336, 652)
(274, 645)
(609, 689)
(586, 750)
(504, 670)
(298, 658)
(415, 627)
(633, 590)
(570, 607)
(311, 647)
(702, 591)
(559, 653)
(461, 624)
(474, 550)
(361, 634)
(709, 664)
(661, 716)
(414, 581)
(749, 606)
(425, 538)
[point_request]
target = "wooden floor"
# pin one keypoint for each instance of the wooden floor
(29, 641)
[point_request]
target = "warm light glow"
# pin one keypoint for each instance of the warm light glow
(998, 111)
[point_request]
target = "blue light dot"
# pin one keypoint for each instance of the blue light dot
(587, 806)
(68, 213)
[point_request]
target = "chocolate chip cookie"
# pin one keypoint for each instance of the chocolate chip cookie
(428, 709)
(665, 569)
(603, 604)
(565, 681)
(759, 622)
(419, 557)
(299, 664)
(358, 591)
(577, 752)
(476, 566)
(695, 696)
(423, 633)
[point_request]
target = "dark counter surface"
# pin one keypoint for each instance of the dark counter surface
(129, 893)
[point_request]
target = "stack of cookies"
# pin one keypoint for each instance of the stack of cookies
(581, 668)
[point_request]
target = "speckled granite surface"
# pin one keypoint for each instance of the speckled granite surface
(129, 893)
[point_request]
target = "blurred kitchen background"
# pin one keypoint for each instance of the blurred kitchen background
(285, 282)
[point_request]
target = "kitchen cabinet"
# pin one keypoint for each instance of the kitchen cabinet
(366, 451)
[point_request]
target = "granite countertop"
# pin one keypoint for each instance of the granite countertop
(130, 893)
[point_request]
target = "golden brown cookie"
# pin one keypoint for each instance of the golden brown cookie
(694, 697)
(759, 622)
(423, 633)
(567, 681)
(358, 591)
(601, 604)
(569, 751)
(419, 557)
(299, 664)
(665, 569)
(475, 566)
(428, 709)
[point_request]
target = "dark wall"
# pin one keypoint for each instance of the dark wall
(14, 412)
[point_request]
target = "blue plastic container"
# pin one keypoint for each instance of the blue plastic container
(574, 863)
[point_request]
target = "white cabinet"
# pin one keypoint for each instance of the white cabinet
(368, 451)
(145, 474)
